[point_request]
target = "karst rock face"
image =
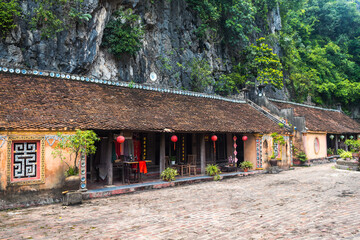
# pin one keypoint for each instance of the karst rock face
(170, 40)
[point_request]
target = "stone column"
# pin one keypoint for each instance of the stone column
(202, 153)
(162, 152)
(109, 165)
(259, 160)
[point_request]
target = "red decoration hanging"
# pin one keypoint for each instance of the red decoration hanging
(174, 139)
(244, 138)
(120, 139)
(214, 139)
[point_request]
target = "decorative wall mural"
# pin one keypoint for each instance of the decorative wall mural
(25, 160)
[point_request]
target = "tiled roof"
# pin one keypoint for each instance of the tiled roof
(320, 119)
(37, 102)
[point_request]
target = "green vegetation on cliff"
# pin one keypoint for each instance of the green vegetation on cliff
(320, 45)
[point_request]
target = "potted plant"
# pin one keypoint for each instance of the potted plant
(169, 174)
(279, 141)
(173, 160)
(330, 152)
(69, 149)
(246, 165)
(346, 155)
(213, 170)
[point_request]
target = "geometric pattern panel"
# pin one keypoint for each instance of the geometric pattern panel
(25, 160)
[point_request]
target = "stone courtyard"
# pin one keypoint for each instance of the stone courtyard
(319, 202)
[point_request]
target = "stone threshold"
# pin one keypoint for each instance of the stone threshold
(132, 188)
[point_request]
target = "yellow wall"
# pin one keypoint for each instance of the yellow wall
(309, 139)
(3, 165)
(54, 168)
(250, 149)
(284, 161)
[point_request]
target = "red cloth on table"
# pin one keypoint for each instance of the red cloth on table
(137, 152)
(142, 167)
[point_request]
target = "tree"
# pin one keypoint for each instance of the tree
(262, 65)
(82, 142)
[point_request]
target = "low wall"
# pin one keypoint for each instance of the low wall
(14, 199)
(347, 165)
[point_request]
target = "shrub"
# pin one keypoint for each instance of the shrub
(353, 144)
(340, 151)
(345, 155)
(200, 74)
(169, 174)
(53, 16)
(123, 33)
(213, 170)
(301, 156)
(246, 164)
(8, 10)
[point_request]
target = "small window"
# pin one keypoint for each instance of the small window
(316, 145)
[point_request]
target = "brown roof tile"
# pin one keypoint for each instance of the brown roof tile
(316, 119)
(33, 102)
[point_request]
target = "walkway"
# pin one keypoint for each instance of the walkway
(307, 203)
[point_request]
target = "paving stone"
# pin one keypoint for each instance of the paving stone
(307, 203)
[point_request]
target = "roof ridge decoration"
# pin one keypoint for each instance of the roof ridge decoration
(304, 105)
(75, 77)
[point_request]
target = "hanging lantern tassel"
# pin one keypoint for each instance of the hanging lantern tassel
(214, 139)
(174, 140)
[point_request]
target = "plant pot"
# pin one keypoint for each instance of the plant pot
(297, 162)
(172, 162)
(72, 183)
(273, 162)
(246, 169)
(356, 155)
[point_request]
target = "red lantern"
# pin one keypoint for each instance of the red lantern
(174, 139)
(214, 139)
(244, 138)
(120, 139)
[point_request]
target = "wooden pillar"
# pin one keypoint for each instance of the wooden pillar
(229, 145)
(202, 153)
(109, 165)
(336, 144)
(162, 152)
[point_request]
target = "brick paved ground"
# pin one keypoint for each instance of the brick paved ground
(307, 203)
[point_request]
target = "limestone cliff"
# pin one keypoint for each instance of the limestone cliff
(169, 41)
